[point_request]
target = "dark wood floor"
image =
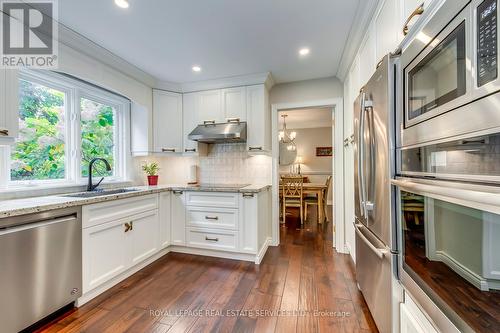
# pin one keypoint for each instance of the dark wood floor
(314, 288)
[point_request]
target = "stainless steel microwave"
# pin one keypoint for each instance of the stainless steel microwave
(449, 75)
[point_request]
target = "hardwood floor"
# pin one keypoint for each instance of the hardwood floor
(303, 285)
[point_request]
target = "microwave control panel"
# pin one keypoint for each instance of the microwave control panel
(487, 57)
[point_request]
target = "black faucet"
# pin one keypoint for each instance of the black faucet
(90, 186)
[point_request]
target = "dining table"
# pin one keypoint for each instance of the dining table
(313, 188)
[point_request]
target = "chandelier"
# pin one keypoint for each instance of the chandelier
(287, 138)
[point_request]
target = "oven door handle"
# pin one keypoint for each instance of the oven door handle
(379, 252)
(485, 198)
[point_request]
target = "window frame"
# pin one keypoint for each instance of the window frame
(75, 89)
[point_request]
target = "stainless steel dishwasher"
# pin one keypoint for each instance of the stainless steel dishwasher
(40, 266)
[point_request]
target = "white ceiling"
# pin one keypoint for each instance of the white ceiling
(165, 38)
(307, 118)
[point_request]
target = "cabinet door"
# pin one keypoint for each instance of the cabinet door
(367, 60)
(167, 122)
(234, 103)
(249, 220)
(387, 29)
(178, 207)
(258, 118)
(144, 236)
(105, 253)
(9, 103)
(165, 219)
(209, 107)
(191, 120)
(408, 323)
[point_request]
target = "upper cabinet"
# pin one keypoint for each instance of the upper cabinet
(234, 104)
(209, 107)
(9, 104)
(387, 29)
(258, 119)
(167, 122)
(191, 120)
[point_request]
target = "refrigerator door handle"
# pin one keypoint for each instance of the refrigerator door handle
(379, 252)
(361, 177)
(369, 205)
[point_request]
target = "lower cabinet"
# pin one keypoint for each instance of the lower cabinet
(178, 229)
(165, 211)
(114, 241)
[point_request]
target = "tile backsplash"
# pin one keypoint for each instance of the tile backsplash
(224, 163)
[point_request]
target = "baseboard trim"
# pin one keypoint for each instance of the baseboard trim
(463, 271)
(91, 294)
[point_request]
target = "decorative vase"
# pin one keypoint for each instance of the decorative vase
(153, 180)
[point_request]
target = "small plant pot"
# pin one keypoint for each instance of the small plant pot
(153, 180)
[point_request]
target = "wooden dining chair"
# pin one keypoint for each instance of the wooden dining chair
(313, 200)
(292, 195)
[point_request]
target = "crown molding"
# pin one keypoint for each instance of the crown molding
(82, 44)
(364, 14)
(233, 81)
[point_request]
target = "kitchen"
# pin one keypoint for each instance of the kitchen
(140, 176)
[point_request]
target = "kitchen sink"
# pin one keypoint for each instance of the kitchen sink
(99, 193)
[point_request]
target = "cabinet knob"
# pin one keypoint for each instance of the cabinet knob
(418, 11)
(128, 227)
(212, 239)
(254, 148)
(168, 150)
(4, 132)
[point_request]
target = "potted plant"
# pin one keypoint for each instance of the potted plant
(151, 170)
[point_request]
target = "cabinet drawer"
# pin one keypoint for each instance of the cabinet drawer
(212, 199)
(212, 239)
(206, 217)
(117, 209)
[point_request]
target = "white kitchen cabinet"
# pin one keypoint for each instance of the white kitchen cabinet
(167, 122)
(367, 62)
(387, 29)
(412, 319)
(104, 253)
(258, 119)
(178, 207)
(209, 107)
(191, 120)
(9, 104)
(117, 236)
(143, 236)
(234, 103)
(165, 219)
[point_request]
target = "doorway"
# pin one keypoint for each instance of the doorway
(334, 107)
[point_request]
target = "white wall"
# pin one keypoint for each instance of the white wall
(308, 90)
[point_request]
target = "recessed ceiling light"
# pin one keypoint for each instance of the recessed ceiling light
(122, 3)
(196, 69)
(304, 51)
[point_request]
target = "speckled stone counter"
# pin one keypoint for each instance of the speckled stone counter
(31, 205)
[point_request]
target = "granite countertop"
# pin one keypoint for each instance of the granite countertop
(16, 207)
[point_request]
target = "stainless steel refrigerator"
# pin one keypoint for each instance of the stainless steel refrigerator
(374, 149)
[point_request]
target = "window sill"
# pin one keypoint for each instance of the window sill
(34, 190)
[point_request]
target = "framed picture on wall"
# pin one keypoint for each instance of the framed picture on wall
(324, 151)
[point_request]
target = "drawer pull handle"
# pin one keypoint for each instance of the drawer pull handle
(193, 150)
(248, 195)
(254, 148)
(4, 132)
(418, 11)
(211, 217)
(128, 227)
(168, 150)
(233, 120)
(211, 239)
(209, 122)
(177, 192)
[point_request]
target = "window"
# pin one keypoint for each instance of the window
(64, 124)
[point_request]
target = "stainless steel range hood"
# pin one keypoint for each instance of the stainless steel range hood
(220, 133)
